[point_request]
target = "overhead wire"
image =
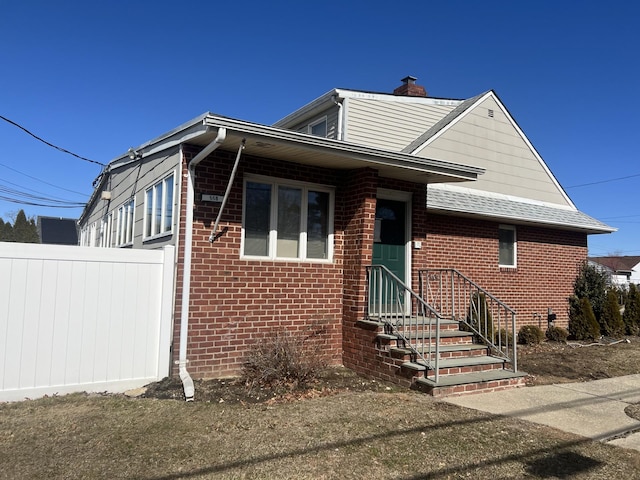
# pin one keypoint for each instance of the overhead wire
(64, 150)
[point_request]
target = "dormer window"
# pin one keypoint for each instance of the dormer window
(319, 127)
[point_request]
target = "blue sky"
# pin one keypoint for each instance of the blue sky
(98, 77)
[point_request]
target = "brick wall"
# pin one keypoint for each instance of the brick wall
(235, 302)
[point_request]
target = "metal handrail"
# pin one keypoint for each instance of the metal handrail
(459, 298)
(414, 322)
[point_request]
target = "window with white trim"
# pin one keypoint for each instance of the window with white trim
(105, 230)
(319, 127)
(507, 246)
(287, 220)
(158, 218)
(124, 224)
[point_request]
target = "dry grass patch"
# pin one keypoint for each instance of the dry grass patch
(349, 435)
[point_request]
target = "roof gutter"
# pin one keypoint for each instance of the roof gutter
(187, 381)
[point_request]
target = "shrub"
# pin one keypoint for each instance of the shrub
(557, 334)
(479, 315)
(591, 283)
(503, 338)
(611, 321)
(284, 359)
(631, 316)
(582, 321)
(530, 335)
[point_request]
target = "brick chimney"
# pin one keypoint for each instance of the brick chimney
(410, 89)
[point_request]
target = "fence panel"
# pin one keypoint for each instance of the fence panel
(83, 319)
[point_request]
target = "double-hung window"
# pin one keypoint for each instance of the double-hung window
(124, 224)
(158, 199)
(507, 251)
(287, 220)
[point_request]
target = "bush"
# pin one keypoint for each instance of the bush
(557, 334)
(582, 321)
(631, 316)
(503, 338)
(479, 315)
(530, 335)
(611, 321)
(285, 359)
(591, 283)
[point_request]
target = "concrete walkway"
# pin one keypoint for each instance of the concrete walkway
(591, 409)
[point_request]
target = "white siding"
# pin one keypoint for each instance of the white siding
(82, 319)
(332, 122)
(387, 124)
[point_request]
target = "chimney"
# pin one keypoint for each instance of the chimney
(410, 89)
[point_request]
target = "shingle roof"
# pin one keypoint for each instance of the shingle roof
(623, 263)
(502, 207)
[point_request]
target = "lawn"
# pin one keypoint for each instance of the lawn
(356, 429)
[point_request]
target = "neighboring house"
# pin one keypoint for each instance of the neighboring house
(57, 231)
(278, 226)
(622, 270)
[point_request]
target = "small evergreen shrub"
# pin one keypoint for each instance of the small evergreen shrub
(479, 315)
(557, 334)
(582, 321)
(611, 323)
(591, 283)
(530, 335)
(631, 316)
(503, 338)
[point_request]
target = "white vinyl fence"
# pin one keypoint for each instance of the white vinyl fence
(76, 319)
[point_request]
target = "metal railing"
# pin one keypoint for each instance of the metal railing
(406, 315)
(458, 298)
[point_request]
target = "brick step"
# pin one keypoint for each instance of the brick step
(458, 366)
(412, 322)
(487, 381)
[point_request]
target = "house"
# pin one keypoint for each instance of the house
(380, 220)
(57, 231)
(622, 270)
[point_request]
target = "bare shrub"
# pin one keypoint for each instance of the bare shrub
(283, 358)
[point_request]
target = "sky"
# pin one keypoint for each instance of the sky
(96, 78)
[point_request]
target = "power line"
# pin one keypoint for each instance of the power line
(42, 181)
(605, 181)
(50, 144)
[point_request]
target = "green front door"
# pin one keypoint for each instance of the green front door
(389, 243)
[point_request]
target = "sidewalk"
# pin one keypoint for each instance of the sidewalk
(591, 409)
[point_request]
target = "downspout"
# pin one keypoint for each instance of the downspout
(339, 104)
(187, 381)
(212, 237)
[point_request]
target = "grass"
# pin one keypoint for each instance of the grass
(362, 431)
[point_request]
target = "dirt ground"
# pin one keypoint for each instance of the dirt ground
(546, 363)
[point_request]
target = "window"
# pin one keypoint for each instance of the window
(507, 246)
(124, 224)
(105, 230)
(319, 127)
(159, 201)
(287, 220)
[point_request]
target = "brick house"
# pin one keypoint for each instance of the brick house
(353, 217)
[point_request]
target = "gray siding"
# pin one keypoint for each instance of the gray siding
(391, 125)
(132, 180)
(494, 143)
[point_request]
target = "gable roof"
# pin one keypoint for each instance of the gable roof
(618, 263)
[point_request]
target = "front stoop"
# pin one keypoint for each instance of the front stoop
(464, 366)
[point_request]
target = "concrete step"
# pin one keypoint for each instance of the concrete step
(459, 365)
(463, 350)
(486, 381)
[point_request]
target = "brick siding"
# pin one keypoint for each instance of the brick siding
(235, 302)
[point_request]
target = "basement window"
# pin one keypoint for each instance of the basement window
(507, 251)
(287, 220)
